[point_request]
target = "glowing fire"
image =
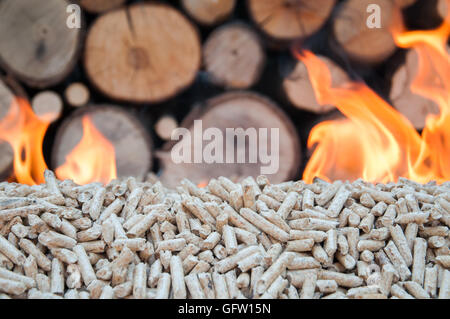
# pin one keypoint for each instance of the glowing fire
(93, 159)
(375, 142)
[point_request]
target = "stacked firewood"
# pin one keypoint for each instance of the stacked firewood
(251, 239)
(158, 59)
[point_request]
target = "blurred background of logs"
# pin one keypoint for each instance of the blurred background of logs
(142, 68)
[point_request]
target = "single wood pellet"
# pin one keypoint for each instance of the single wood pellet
(249, 239)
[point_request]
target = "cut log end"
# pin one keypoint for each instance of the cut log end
(43, 50)
(413, 106)
(47, 105)
(100, 6)
(360, 42)
(299, 91)
(157, 57)
(77, 94)
(233, 56)
(238, 110)
(132, 145)
(290, 19)
(209, 12)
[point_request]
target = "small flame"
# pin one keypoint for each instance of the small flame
(25, 132)
(202, 184)
(92, 160)
(376, 142)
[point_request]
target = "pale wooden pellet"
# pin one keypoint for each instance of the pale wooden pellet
(397, 260)
(344, 280)
(229, 238)
(9, 275)
(326, 286)
(245, 237)
(30, 248)
(275, 288)
(309, 286)
(231, 261)
(52, 239)
(263, 224)
(177, 275)
(418, 266)
(207, 285)
(194, 287)
(416, 290)
(250, 262)
(430, 280)
(10, 251)
(107, 292)
(444, 290)
(300, 245)
(140, 281)
(399, 292)
(86, 270)
(243, 280)
(189, 249)
(96, 203)
(57, 277)
(43, 283)
(318, 236)
(72, 294)
(231, 281)
(273, 272)
(220, 286)
(30, 267)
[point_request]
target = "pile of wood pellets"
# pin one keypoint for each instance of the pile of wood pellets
(252, 239)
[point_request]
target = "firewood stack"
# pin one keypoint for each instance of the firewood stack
(142, 68)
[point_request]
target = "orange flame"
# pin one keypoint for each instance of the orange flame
(25, 132)
(376, 142)
(93, 159)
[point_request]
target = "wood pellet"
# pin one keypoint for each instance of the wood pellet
(252, 239)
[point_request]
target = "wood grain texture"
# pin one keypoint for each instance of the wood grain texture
(290, 19)
(208, 12)
(234, 56)
(144, 53)
(237, 110)
(35, 43)
(131, 141)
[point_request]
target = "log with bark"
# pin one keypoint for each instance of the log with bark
(132, 144)
(290, 19)
(165, 126)
(47, 105)
(77, 94)
(360, 42)
(143, 53)
(35, 43)
(235, 110)
(415, 107)
(233, 56)
(298, 89)
(207, 12)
